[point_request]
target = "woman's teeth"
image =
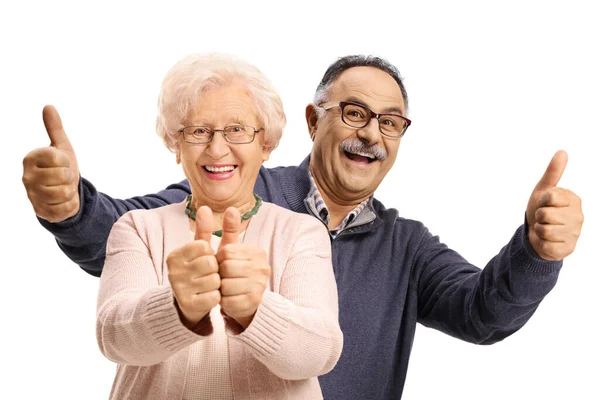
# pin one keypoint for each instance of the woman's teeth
(219, 169)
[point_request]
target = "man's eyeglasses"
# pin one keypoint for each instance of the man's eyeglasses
(358, 116)
(237, 134)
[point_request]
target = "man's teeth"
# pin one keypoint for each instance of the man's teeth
(360, 153)
(219, 169)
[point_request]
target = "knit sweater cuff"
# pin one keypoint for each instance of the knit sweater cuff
(269, 327)
(163, 320)
(526, 257)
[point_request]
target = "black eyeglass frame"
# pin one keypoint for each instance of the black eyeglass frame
(343, 104)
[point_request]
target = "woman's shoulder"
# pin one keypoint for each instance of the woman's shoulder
(151, 218)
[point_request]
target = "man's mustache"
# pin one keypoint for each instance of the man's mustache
(356, 146)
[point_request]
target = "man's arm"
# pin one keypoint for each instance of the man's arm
(70, 207)
(83, 237)
(486, 306)
(481, 306)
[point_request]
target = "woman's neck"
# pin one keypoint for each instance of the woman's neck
(218, 210)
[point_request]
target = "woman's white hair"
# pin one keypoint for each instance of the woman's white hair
(196, 73)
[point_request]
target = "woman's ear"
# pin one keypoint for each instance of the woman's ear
(177, 153)
(266, 153)
(312, 119)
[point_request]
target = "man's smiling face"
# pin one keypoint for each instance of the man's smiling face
(346, 175)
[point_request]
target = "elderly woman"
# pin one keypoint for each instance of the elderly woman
(221, 296)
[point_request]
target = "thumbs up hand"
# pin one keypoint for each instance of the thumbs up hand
(194, 273)
(554, 214)
(244, 272)
(51, 174)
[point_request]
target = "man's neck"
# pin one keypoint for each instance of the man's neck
(337, 207)
(337, 212)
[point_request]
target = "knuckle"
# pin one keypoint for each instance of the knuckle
(224, 268)
(64, 192)
(26, 179)
(171, 259)
(541, 230)
(207, 265)
(214, 281)
(541, 214)
(216, 297)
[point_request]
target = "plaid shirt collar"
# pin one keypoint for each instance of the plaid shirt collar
(324, 213)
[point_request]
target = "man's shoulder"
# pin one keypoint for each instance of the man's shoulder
(276, 212)
(278, 172)
(392, 218)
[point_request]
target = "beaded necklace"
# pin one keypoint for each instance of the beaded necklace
(245, 216)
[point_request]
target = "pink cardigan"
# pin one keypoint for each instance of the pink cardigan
(293, 338)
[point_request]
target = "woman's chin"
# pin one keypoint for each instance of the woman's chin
(216, 198)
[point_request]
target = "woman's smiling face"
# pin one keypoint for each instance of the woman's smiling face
(223, 174)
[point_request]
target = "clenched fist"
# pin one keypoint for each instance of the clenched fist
(244, 272)
(554, 214)
(194, 273)
(51, 174)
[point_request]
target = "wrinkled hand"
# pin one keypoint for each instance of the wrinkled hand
(194, 273)
(244, 272)
(554, 214)
(51, 174)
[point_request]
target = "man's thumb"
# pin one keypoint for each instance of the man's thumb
(231, 226)
(554, 171)
(54, 127)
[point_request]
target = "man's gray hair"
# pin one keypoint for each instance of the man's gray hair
(347, 62)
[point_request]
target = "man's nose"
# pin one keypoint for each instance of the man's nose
(370, 134)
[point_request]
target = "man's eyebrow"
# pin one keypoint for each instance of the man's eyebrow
(358, 101)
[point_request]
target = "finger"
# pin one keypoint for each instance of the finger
(554, 171)
(46, 157)
(206, 301)
(54, 127)
(196, 249)
(206, 283)
(54, 195)
(555, 197)
(235, 286)
(231, 227)
(54, 176)
(58, 212)
(550, 215)
(234, 268)
(235, 251)
(203, 265)
(204, 224)
(241, 303)
(554, 251)
(552, 233)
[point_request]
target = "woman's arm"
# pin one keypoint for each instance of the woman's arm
(137, 321)
(295, 332)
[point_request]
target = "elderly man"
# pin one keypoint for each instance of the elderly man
(391, 272)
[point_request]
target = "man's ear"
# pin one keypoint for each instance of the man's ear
(312, 119)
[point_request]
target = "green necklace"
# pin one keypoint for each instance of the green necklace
(245, 216)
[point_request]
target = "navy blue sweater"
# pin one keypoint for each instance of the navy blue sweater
(391, 273)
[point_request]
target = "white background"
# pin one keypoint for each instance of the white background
(495, 89)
